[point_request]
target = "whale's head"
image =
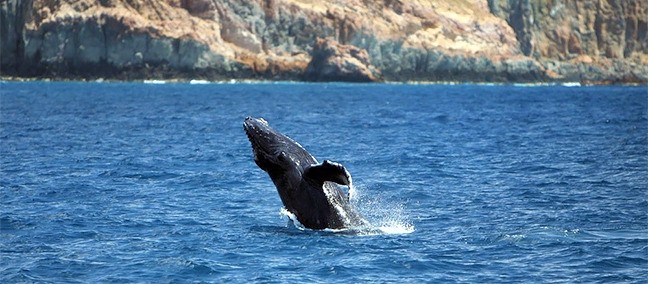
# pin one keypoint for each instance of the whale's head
(273, 151)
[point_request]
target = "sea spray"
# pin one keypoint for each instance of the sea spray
(383, 216)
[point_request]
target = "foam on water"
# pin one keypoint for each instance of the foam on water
(292, 219)
(155, 82)
(198, 82)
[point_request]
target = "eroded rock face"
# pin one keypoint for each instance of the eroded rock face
(105, 38)
(582, 40)
(463, 40)
(565, 29)
(332, 61)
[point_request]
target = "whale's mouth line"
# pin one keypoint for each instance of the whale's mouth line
(255, 132)
(249, 132)
(255, 144)
(249, 135)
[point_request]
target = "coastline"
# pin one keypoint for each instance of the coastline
(486, 42)
(4, 79)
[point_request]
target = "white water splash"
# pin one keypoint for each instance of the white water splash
(382, 217)
(353, 193)
(292, 219)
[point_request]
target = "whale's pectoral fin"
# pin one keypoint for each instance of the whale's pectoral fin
(328, 171)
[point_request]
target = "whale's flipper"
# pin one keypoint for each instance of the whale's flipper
(328, 171)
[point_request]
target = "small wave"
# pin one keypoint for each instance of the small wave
(156, 82)
(571, 84)
(199, 82)
(372, 230)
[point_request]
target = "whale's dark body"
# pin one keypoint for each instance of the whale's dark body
(303, 183)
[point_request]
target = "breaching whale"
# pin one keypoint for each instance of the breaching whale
(304, 185)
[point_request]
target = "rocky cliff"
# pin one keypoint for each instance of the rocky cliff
(354, 40)
(586, 40)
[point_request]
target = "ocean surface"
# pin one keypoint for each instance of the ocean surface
(133, 182)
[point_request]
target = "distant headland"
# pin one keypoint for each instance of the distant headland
(593, 42)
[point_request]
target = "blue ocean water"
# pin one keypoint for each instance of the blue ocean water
(131, 182)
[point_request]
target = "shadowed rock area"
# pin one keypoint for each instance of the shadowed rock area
(356, 40)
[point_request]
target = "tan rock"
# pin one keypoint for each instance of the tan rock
(415, 39)
(332, 61)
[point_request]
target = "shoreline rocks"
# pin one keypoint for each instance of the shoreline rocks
(355, 41)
